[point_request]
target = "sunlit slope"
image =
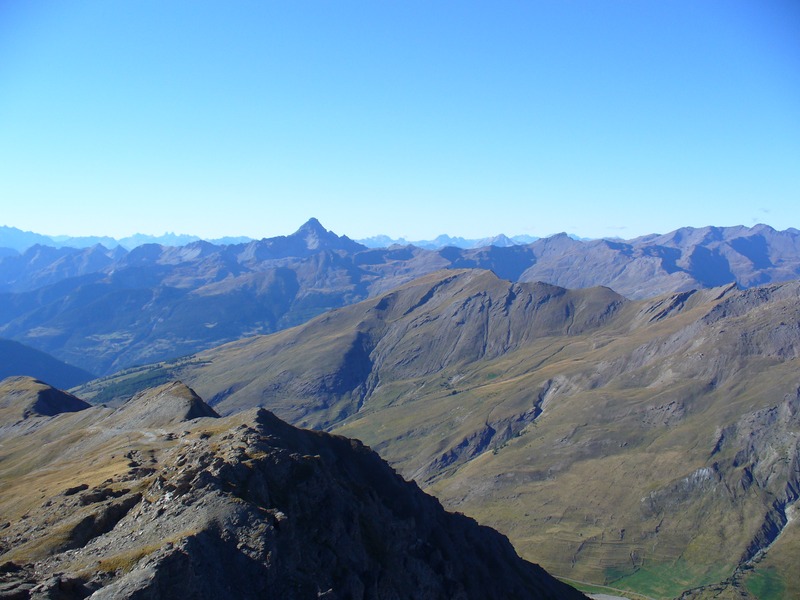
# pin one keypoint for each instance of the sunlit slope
(652, 444)
(356, 359)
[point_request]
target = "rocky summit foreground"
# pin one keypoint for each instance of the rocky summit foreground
(163, 499)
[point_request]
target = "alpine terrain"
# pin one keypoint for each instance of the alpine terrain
(650, 445)
(161, 498)
(109, 309)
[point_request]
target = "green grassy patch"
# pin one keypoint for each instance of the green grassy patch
(667, 580)
(766, 584)
(587, 588)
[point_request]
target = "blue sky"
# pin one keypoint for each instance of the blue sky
(410, 118)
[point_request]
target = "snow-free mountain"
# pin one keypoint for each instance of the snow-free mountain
(626, 411)
(161, 498)
(107, 309)
(17, 240)
(651, 445)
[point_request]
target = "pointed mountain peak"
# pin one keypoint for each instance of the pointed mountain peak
(312, 225)
(500, 241)
(315, 237)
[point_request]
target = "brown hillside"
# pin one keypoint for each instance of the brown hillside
(648, 444)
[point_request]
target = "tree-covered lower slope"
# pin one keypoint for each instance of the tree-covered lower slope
(652, 445)
(161, 498)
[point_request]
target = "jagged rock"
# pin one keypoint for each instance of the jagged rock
(242, 507)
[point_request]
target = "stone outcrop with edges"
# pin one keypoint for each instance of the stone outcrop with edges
(242, 507)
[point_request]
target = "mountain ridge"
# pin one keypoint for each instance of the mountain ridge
(607, 428)
(18, 359)
(106, 310)
(23, 398)
(12, 238)
(187, 505)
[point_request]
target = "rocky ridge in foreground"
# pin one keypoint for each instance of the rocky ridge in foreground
(99, 503)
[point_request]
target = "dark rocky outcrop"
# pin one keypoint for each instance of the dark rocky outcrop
(243, 507)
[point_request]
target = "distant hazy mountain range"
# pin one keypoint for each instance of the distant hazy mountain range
(107, 309)
(12, 238)
(443, 241)
(16, 239)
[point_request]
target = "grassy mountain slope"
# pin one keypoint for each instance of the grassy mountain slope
(649, 444)
(23, 398)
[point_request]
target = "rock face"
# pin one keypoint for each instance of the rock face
(242, 507)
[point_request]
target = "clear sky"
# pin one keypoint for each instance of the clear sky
(405, 117)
